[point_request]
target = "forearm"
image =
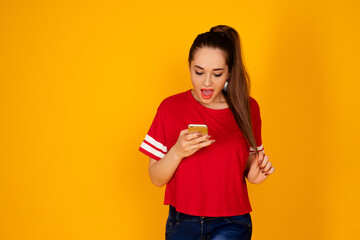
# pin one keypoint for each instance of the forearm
(250, 159)
(163, 170)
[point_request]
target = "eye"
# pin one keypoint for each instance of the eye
(216, 75)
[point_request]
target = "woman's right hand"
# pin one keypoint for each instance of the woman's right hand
(188, 143)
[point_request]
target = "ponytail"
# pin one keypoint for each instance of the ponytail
(237, 91)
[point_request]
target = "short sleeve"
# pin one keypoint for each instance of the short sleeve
(256, 125)
(154, 144)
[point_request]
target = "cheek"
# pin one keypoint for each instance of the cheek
(221, 82)
(195, 79)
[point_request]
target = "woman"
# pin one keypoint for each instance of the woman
(205, 174)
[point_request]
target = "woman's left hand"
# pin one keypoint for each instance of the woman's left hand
(260, 169)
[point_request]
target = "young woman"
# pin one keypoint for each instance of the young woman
(205, 174)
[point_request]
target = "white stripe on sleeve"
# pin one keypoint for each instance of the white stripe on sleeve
(155, 143)
(152, 150)
(259, 148)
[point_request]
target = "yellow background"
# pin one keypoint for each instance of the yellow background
(81, 82)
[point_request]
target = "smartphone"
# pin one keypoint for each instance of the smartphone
(198, 128)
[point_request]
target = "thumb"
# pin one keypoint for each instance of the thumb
(256, 161)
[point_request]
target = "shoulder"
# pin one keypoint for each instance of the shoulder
(254, 109)
(254, 106)
(173, 101)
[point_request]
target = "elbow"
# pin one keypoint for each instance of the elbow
(159, 185)
(155, 181)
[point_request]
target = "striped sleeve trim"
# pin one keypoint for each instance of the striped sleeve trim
(155, 143)
(259, 148)
(151, 150)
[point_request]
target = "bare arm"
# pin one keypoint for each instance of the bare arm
(161, 171)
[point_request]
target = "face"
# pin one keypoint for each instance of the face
(209, 73)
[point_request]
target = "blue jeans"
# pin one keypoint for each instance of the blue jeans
(188, 227)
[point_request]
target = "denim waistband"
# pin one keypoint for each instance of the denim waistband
(184, 216)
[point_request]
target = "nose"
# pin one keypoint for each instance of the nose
(207, 81)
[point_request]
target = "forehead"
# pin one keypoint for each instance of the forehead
(209, 58)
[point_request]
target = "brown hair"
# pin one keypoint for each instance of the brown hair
(237, 92)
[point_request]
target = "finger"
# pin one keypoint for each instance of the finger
(184, 132)
(200, 139)
(202, 144)
(264, 161)
(259, 158)
(272, 170)
(267, 166)
(191, 136)
(261, 155)
(265, 176)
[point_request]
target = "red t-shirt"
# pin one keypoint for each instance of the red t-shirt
(210, 182)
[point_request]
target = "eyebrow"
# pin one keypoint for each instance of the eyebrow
(213, 69)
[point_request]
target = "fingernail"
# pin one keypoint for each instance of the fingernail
(208, 136)
(213, 140)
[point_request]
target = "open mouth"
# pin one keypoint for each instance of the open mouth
(207, 93)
